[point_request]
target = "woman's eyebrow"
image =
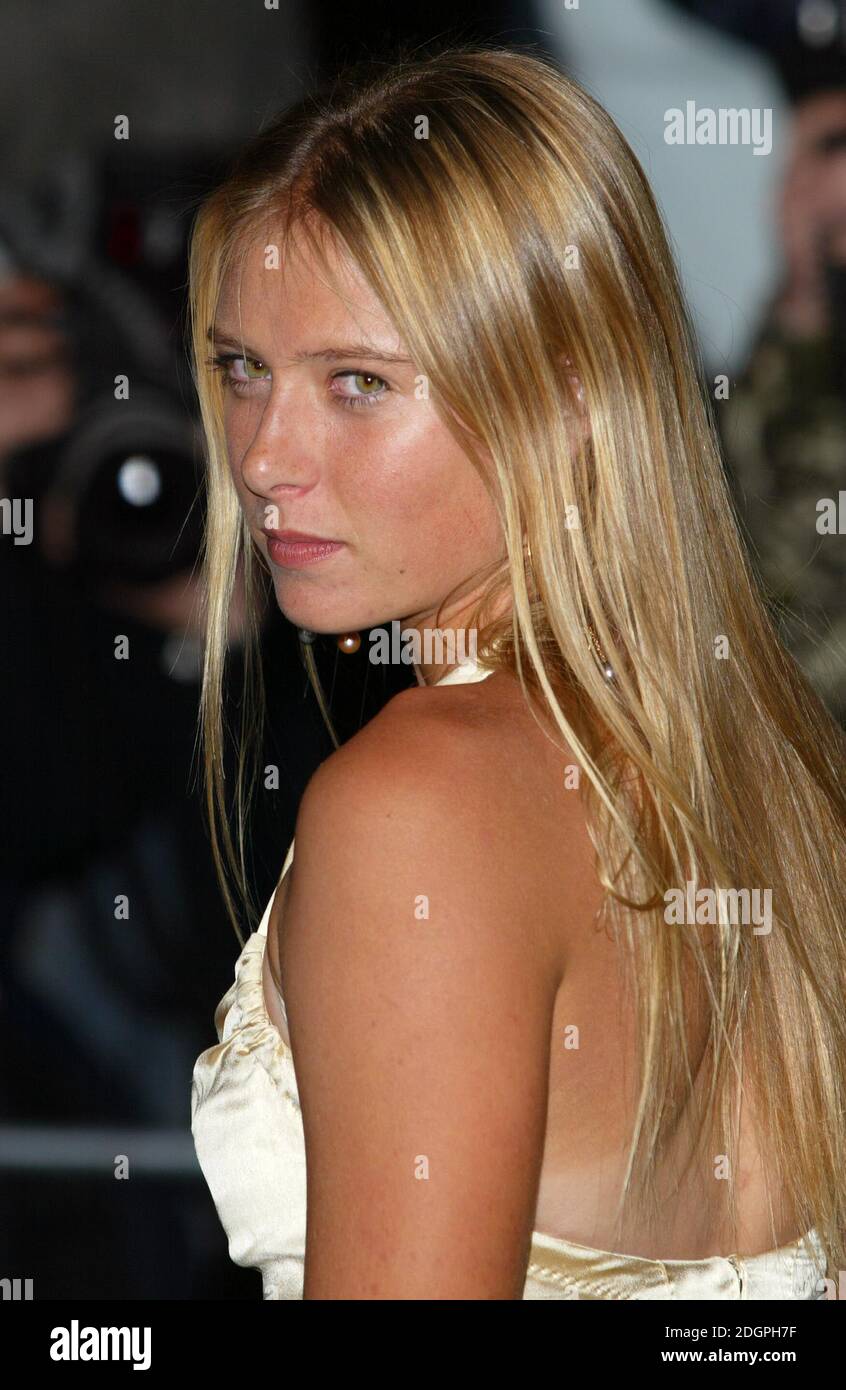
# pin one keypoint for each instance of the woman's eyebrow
(327, 354)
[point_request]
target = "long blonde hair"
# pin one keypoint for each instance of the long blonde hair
(505, 226)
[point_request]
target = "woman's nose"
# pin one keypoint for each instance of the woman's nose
(280, 456)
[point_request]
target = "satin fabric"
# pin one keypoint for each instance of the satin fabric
(248, 1135)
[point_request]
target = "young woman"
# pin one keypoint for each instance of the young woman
(564, 948)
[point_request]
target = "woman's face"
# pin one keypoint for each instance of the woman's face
(333, 440)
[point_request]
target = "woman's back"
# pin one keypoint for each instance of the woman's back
(523, 793)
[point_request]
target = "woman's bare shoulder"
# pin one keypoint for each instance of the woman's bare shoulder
(449, 756)
(462, 778)
(418, 762)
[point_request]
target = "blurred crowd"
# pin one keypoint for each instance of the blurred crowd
(783, 424)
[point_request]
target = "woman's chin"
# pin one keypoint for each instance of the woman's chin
(324, 624)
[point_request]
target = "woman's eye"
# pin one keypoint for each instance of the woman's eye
(239, 374)
(364, 395)
(226, 362)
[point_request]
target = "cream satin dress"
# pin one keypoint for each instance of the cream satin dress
(248, 1134)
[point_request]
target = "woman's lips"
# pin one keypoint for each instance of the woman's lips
(294, 554)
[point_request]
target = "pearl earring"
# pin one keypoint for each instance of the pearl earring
(347, 642)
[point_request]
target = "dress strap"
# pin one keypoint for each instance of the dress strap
(289, 859)
(464, 673)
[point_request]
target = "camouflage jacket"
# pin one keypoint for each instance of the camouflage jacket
(783, 431)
